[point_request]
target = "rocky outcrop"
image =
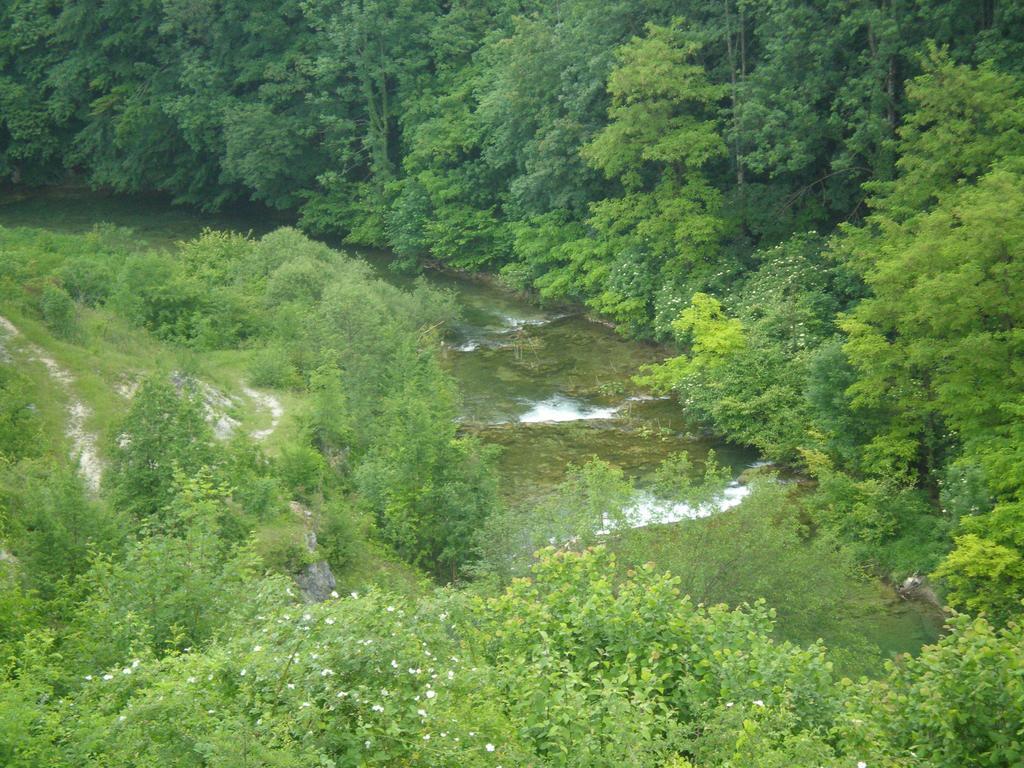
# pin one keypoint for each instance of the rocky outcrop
(916, 587)
(267, 403)
(315, 581)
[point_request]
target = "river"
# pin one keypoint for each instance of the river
(550, 386)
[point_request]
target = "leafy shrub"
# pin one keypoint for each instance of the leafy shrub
(338, 534)
(20, 423)
(302, 469)
(281, 546)
(272, 367)
(59, 312)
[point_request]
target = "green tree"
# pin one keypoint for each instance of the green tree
(665, 228)
(164, 432)
(172, 589)
(935, 344)
(428, 489)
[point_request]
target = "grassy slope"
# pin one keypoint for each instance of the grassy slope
(112, 354)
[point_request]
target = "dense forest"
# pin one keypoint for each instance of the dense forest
(241, 520)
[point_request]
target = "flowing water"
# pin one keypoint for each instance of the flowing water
(550, 386)
(554, 388)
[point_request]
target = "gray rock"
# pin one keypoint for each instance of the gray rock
(316, 582)
(916, 587)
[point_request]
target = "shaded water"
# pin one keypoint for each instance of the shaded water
(551, 387)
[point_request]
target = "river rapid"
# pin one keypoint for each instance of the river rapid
(550, 386)
(555, 388)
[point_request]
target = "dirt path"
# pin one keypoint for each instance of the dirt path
(269, 403)
(83, 442)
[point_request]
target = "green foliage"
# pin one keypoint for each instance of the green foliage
(761, 549)
(301, 468)
(985, 570)
(281, 546)
(591, 499)
(935, 344)
(573, 636)
(175, 586)
(163, 432)
(337, 535)
(273, 367)
(26, 738)
(890, 526)
(666, 224)
(960, 704)
(327, 419)
(427, 489)
(59, 312)
(669, 173)
(55, 528)
(20, 424)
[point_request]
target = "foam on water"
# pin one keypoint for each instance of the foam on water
(561, 408)
(650, 510)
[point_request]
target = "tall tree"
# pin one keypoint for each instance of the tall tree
(663, 230)
(938, 344)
